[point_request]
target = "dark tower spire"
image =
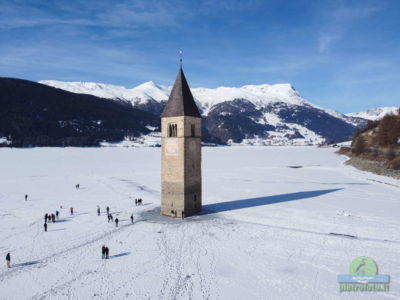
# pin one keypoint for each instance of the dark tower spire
(181, 102)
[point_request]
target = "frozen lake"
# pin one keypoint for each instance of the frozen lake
(266, 230)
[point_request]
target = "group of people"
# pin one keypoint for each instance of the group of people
(51, 218)
(110, 217)
(175, 213)
(104, 252)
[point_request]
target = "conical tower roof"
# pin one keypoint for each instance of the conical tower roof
(180, 101)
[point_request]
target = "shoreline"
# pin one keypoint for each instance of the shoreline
(377, 167)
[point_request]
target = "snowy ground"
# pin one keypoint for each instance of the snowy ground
(265, 233)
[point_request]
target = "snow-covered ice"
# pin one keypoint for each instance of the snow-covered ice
(264, 233)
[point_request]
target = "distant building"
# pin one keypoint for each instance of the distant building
(181, 153)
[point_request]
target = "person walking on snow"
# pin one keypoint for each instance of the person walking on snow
(106, 250)
(45, 227)
(132, 218)
(8, 259)
(108, 210)
(98, 210)
(103, 252)
(57, 214)
(116, 222)
(26, 197)
(71, 210)
(53, 218)
(136, 201)
(45, 218)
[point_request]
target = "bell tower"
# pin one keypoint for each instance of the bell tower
(180, 152)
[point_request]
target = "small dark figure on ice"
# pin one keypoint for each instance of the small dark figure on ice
(111, 218)
(45, 217)
(108, 210)
(77, 186)
(136, 201)
(116, 222)
(49, 218)
(107, 251)
(53, 218)
(98, 210)
(103, 252)
(45, 227)
(57, 214)
(140, 201)
(71, 210)
(8, 259)
(26, 197)
(132, 218)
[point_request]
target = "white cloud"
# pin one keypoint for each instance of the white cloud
(326, 39)
(338, 22)
(358, 12)
(124, 14)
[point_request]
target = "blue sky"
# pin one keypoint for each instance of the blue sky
(343, 55)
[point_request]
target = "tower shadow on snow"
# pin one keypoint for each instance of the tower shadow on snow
(252, 202)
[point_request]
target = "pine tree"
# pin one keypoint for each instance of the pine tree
(359, 145)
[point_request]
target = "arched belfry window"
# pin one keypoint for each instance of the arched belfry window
(172, 130)
(192, 130)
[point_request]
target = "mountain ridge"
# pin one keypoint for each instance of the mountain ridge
(251, 114)
(374, 114)
(248, 115)
(33, 114)
(260, 94)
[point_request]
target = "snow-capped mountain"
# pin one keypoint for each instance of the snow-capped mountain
(140, 94)
(252, 114)
(259, 95)
(33, 114)
(374, 113)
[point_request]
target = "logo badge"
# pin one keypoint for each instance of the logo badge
(364, 277)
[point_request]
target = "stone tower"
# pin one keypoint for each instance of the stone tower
(181, 152)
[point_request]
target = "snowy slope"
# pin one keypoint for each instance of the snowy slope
(266, 233)
(207, 98)
(139, 94)
(264, 114)
(374, 113)
(259, 95)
